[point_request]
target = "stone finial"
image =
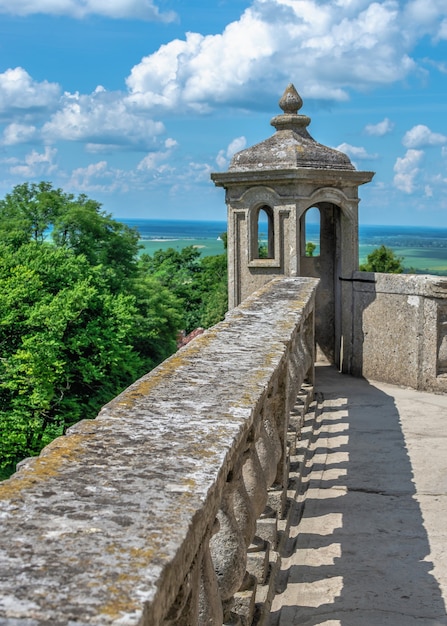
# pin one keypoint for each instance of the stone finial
(291, 101)
(290, 119)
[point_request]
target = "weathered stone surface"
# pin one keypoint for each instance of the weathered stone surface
(399, 329)
(107, 524)
(291, 146)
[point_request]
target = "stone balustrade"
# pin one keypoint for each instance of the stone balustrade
(163, 509)
(400, 329)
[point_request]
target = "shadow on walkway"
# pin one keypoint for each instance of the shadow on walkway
(358, 552)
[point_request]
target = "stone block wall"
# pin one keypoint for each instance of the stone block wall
(400, 329)
(164, 509)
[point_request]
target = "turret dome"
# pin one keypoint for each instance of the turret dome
(291, 146)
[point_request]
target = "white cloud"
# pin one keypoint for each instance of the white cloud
(197, 172)
(140, 9)
(170, 143)
(425, 17)
(324, 48)
(156, 161)
(441, 66)
(236, 145)
(99, 177)
(224, 156)
(36, 164)
(356, 152)
(406, 169)
(154, 170)
(421, 136)
(221, 160)
(18, 133)
(102, 120)
(380, 129)
(442, 34)
(19, 92)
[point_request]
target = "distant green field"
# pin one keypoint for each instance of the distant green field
(207, 247)
(423, 260)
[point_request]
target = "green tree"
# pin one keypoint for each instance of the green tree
(199, 283)
(383, 260)
(214, 289)
(79, 319)
(263, 250)
(156, 322)
(65, 344)
(178, 271)
(310, 248)
(37, 212)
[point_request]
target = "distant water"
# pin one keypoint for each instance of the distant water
(173, 230)
(424, 249)
(177, 234)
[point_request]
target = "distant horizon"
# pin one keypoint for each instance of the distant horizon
(224, 221)
(423, 248)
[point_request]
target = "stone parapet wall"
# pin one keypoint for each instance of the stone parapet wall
(145, 514)
(400, 329)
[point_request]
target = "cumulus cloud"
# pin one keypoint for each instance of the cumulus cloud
(421, 136)
(356, 152)
(406, 169)
(442, 33)
(18, 133)
(103, 120)
(380, 129)
(324, 48)
(425, 17)
(139, 9)
(19, 92)
(224, 156)
(156, 161)
(441, 66)
(99, 177)
(36, 164)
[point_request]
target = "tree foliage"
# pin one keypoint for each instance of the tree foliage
(199, 283)
(310, 248)
(37, 212)
(81, 314)
(65, 343)
(383, 260)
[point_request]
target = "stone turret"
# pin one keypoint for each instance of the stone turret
(270, 187)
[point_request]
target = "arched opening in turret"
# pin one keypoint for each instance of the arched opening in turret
(310, 232)
(321, 226)
(265, 236)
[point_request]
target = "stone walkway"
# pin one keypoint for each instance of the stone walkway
(367, 539)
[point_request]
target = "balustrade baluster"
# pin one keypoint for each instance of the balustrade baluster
(228, 551)
(243, 507)
(254, 481)
(210, 602)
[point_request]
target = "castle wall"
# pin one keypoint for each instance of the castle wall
(400, 329)
(144, 515)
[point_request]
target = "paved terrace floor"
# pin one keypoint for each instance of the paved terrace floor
(368, 532)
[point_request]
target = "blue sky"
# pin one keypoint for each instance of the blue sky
(136, 102)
